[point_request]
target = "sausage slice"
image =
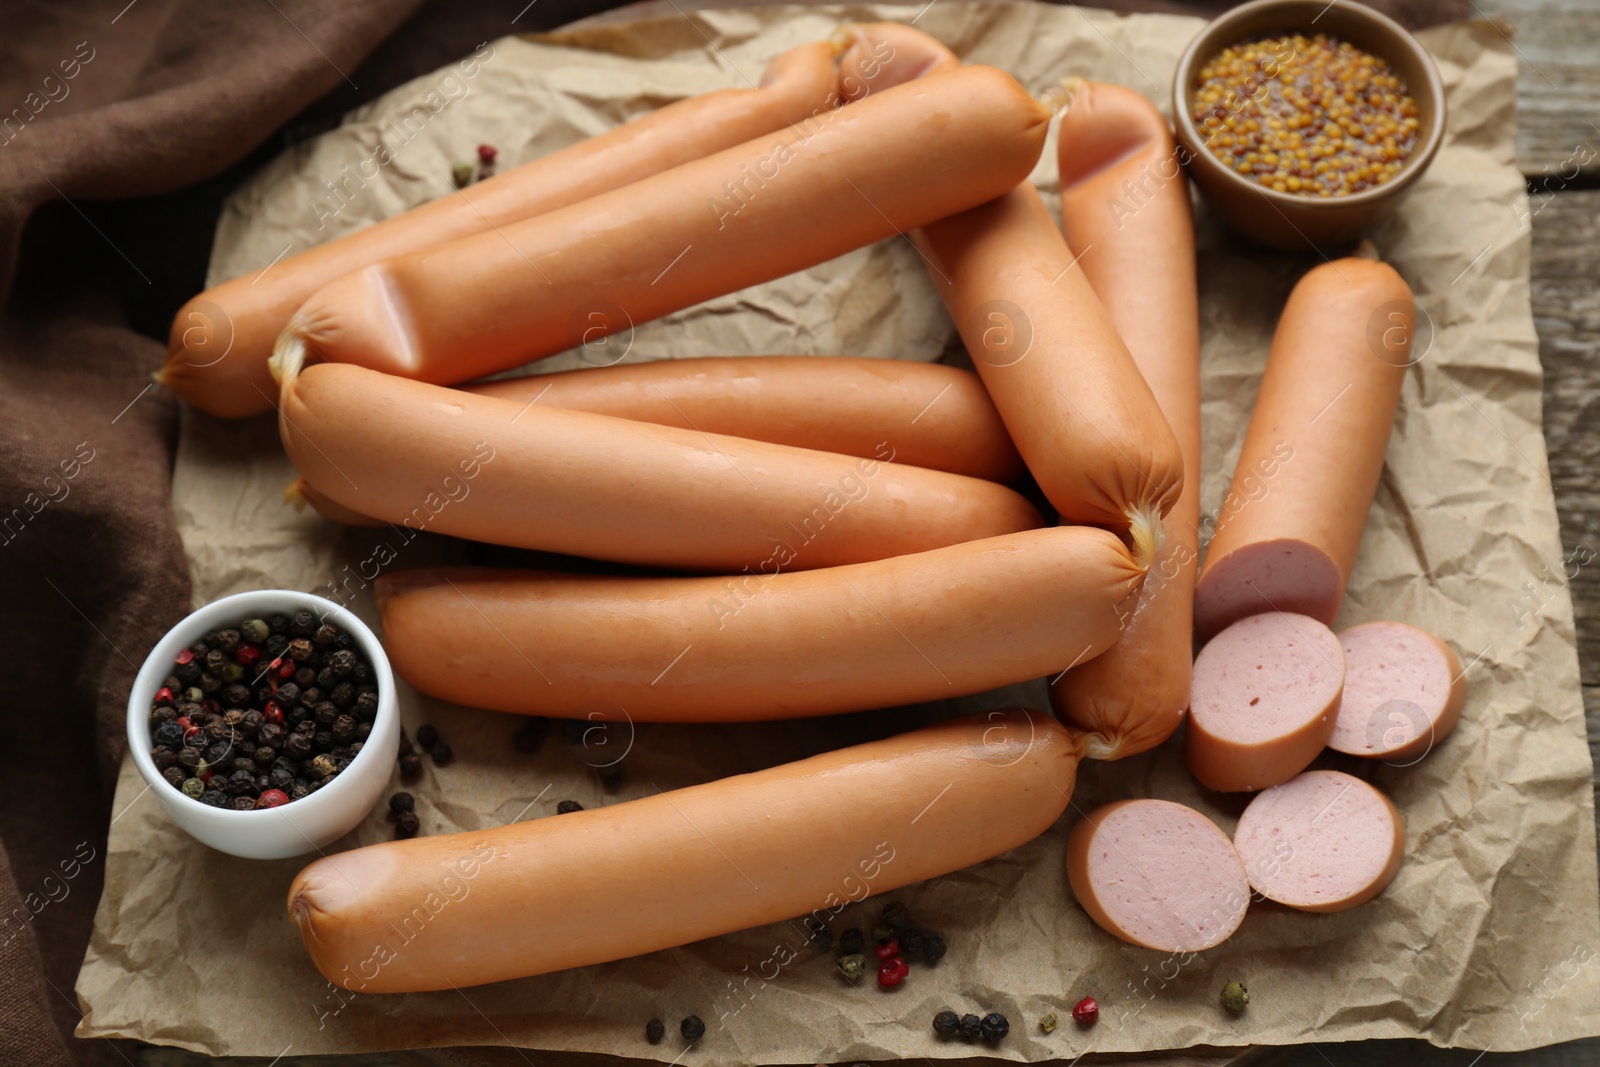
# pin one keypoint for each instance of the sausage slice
(1403, 691)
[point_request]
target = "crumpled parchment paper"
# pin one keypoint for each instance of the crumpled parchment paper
(1487, 937)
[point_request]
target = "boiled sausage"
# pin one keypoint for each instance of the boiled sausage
(1403, 692)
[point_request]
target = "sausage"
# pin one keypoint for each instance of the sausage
(1125, 211)
(529, 476)
(1314, 449)
(1403, 692)
(243, 317)
(1157, 874)
(1322, 841)
(1264, 702)
(300, 492)
(804, 838)
(1081, 415)
(875, 56)
(774, 205)
(927, 626)
(930, 415)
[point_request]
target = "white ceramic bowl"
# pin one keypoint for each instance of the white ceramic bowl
(300, 826)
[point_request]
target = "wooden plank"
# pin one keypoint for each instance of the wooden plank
(1558, 83)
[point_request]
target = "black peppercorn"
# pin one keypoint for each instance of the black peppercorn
(406, 824)
(240, 783)
(214, 798)
(895, 916)
(279, 778)
(692, 1028)
(401, 802)
(344, 641)
(297, 746)
(324, 636)
(311, 696)
(305, 677)
(355, 746)
(163, 758)
(326, 679)
(610, 774)
(405, 744)
(362, 675)
(209, 683)
(946, 1023)
(215, 782)
(188, 673)
(325, 713)
(850, 941)
(343, 695)
(287, 695)
(366, 705)
(911, 941)
(299, 790)
(322, 739)
(303, 623)
(175, 775)
(265, 756)
(299, 714)
(300, 650)
(341, 663)
(442, 753)
(269, 733)
(654, 1031)
(241, 763)
(363, 731)
(161, 715)
(344, 728)
(970, 1027)
(274, 648)
(994, 1027)
(216, 660)
(567, 807)
(228, 640)
(933, 947)
(189, 757)
(168, 735)
(410, 766)
(819, 934)
(530, 736)
(427, 736)
(242, 803)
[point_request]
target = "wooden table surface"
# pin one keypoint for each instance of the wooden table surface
(1558, 149)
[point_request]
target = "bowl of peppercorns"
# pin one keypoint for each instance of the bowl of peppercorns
(1304, 122)
(266, 723)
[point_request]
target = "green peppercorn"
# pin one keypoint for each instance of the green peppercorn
(853, 966)
(1235, 996)
(850, 941)
(971, 1026)
(994, 1027)
(946, 1023)
(1048, 1023)
(692, 1028)
(567, 807)
(254, 631)
(193, 788)
(882, 933)
(461, 175)
(654, 1031)
(194, 694)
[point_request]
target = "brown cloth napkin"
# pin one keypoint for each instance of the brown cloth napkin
(122, 128)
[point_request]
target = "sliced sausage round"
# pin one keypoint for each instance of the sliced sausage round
(1264, 701)
(1322, 841)
(1403, 691)
(1157, 874)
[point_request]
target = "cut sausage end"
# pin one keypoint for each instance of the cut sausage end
(1323, 841)
(1157, 874)
(1264, 702)
(1283, 575)
(1403, 692)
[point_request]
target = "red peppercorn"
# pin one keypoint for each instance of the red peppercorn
(164, 698)
(1086, 1012)
(272, 798)
(247, 655)
(188, 732)
(487, 154)
(287, 669)
(887, 950)
(186, 656)
(272, 713)
(212, 706)
(183, 721)
(892, 972)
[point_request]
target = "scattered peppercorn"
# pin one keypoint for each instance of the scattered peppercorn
(1086, 1012)
(971, 1026)
(401, 802)
(410, 767)
(442, 754)
(946, 1023)
(427, 737)
(461, 174)
(567, 807)
(610, 774)
(1235, 996)
(895, 916)
(406, 824)
(692, 1028)
(654, 1031)
(1047, 1023)
(886, 949)
(994, 1027)
(231, 735)
(911, 941)
(850, 941)
(820, 934)
(882, 932)
(853, 966)
(892, 971)
(487, 154)
(933, 947)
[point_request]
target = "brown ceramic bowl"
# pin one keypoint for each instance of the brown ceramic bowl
(1288, 220)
